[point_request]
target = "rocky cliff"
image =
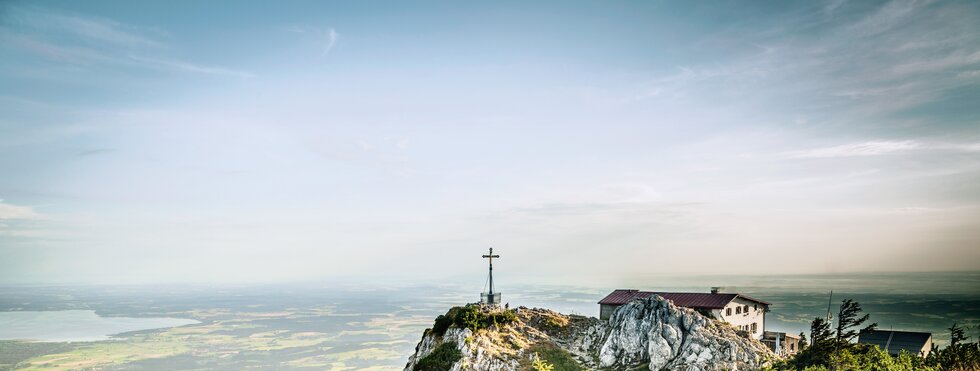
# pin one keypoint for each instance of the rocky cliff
(644, 334)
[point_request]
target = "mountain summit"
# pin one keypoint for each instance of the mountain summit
(650, 333)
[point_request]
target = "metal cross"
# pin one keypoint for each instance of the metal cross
(491, 256)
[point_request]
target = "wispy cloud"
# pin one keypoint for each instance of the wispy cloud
(56, 52)
(364, 145)
(957, 58)
(873, 148)
(324, 39)
(887, 17)
(833, 5)
(189, 67)
(403, 143)
(88, 28)
(81, 40)
(845, 61)
(93, 152)
(878, 148)
(14, 212)
(331, 40)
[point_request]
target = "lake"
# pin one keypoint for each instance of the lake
(75, 325)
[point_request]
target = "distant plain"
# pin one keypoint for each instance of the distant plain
(374, 326)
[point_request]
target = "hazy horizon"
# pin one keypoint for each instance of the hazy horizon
(904, 283)
(596, 142)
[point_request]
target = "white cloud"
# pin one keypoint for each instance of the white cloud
(324, 39)
(873, 148)
(190, 67)
(55, 52)
(963, 147)
(969, 74)
(11, 212)
(878, 148)
(888, 17)
(95, 41)
(403, 143)
(955, 59)
(331, 36)
(833, 5)
(899, 55)
(92, 29)
(364, 145)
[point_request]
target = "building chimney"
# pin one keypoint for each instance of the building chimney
(714, 290)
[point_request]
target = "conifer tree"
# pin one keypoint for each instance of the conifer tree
(819, 332)
(956, 335)
(848, 318)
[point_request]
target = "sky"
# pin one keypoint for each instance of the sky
(247, 141)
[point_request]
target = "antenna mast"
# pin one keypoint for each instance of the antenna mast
(830, 317)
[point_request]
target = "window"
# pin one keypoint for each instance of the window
(792, 346)
(728, 311)
(754, 327)
(755, 307)
(738, 310)
(746, 310)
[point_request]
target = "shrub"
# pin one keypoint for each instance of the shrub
(441, 359)
(473, 317)
(541, 365)
(552, 325)
(705, 312)
(442, 323)
(827, 352)
(956, 357)
(853, 357)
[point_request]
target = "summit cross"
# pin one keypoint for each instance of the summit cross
(491, 298)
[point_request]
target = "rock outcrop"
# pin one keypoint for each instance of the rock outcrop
(644, 334)
(508, 342)
(657, 332)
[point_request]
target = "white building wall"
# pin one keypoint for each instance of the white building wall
(926, 348)
(743, 319)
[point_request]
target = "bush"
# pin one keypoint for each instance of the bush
(552, 325)
(956, 357)
(441, 359)
(442, 323)
(473, 317)
(541, 365)
(853, 357)
(827, 352)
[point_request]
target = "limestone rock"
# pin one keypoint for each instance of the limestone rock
(646, 333)
(654, 330)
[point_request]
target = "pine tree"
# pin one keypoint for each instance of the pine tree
(821, 345)
(956, 335)
(819, 332)
(848, 319)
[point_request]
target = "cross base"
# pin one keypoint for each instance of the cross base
(490, 298)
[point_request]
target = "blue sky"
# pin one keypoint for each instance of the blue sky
(248, 141)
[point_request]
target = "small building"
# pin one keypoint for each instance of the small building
(781, 343)
(741, 311)
(894, 342)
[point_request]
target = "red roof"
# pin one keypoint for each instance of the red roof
(681, 299)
